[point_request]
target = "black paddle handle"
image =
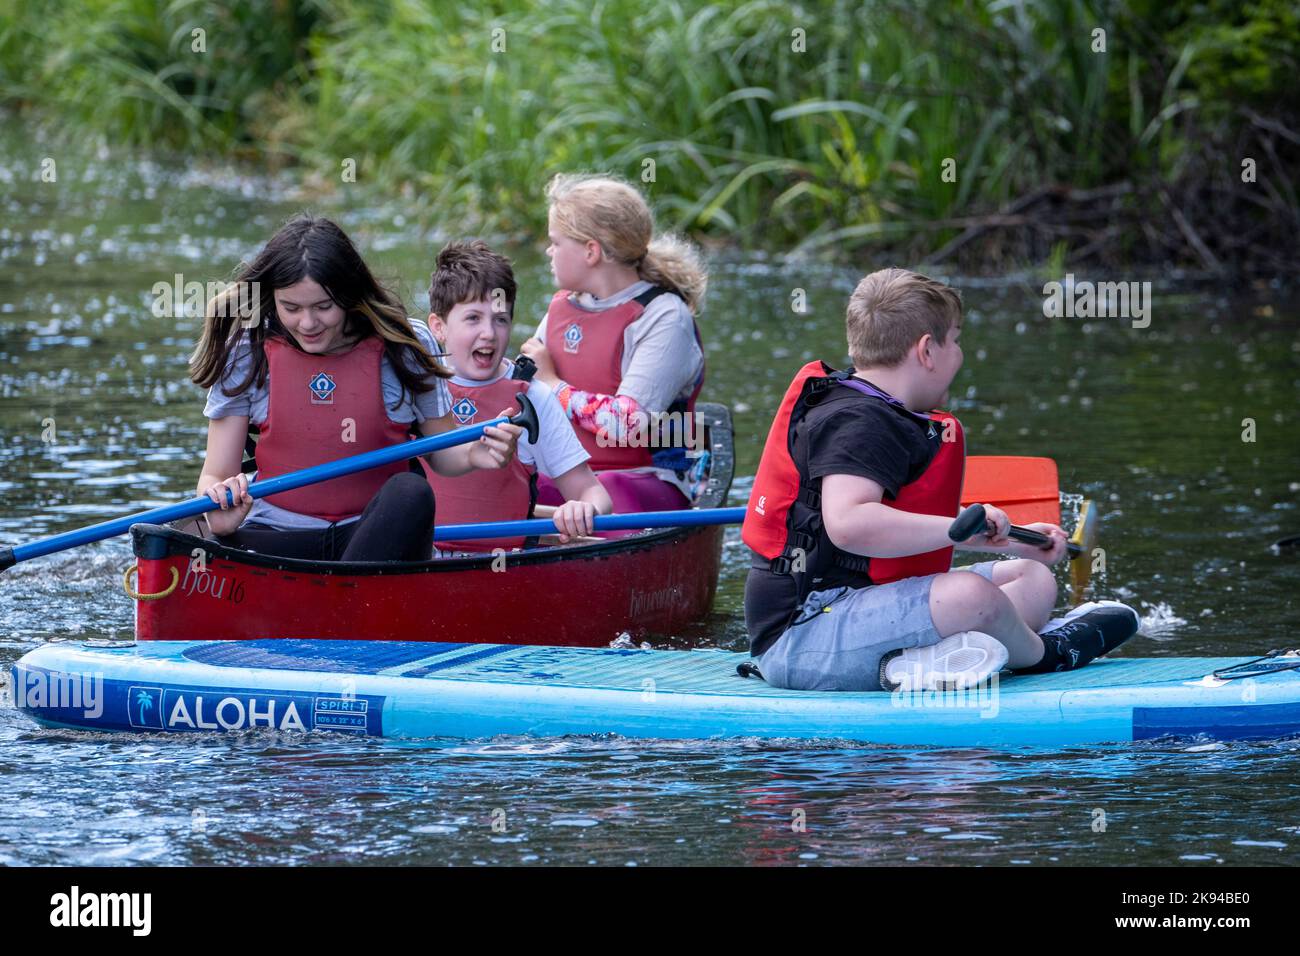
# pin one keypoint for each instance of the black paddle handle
(974, 520)
(525, 369)
(527, 417)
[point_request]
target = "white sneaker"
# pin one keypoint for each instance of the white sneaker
(957, 662)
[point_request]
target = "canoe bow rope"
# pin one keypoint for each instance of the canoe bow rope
(137, 596)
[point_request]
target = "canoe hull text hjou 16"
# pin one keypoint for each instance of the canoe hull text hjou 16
(471, 691)
(576, 595)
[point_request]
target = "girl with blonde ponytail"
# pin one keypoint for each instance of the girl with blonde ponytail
(619, 344)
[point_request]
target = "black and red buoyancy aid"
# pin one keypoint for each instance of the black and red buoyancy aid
(587, 350)
(783, 522)
(312, 398)
(491, 494)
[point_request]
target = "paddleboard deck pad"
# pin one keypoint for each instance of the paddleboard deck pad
(474, 691)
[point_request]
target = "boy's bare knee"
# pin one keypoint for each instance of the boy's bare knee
(964, 600)
(1037, 587)
(1036, 574)
(1017, 569)
(964, 585)
(1041, 582)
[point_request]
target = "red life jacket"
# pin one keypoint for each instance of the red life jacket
(587, 349)
(784, 514)
(486, 494)
(310, 396)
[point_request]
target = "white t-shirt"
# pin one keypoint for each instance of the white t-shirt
(558, 449)
(661, 359)
(255, 402)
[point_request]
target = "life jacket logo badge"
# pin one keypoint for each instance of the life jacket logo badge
(931, 433)
(464, 410)
(762, 503)
(322, 387)
(572, 337)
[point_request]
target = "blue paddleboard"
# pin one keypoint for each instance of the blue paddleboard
(422, 690)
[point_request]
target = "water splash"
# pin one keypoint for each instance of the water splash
(1161, 623)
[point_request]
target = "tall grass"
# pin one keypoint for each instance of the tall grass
(136, 71)
(841, 142)
(733, 129)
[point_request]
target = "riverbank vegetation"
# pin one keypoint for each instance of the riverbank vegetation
(977, 135)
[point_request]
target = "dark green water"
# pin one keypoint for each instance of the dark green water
(98, 419)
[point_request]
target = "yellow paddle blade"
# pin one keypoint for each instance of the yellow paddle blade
(1085, 536)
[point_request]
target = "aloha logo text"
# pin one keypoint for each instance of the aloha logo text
(174, 709)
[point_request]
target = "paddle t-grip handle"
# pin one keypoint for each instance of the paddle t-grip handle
(525, 369)
(970, 522)
(975, 519)
(527, 417)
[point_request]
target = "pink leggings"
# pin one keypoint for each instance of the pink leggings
(630, 491)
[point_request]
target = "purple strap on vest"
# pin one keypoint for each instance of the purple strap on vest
(866, 388)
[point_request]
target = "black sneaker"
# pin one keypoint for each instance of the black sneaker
(1091, 630)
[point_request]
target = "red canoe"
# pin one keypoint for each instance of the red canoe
(579, 595)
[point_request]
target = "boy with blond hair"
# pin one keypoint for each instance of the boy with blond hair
(852, 585)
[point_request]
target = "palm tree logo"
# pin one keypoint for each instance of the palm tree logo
(144, 700)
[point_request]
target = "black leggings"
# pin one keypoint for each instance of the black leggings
(397, 525)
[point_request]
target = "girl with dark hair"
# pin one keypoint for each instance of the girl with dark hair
(327, 365)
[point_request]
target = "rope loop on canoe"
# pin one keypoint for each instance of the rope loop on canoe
(136, 596)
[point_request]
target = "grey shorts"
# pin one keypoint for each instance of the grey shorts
(838, 637)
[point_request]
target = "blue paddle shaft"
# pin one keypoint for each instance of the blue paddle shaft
(629, 522)
(261, 489)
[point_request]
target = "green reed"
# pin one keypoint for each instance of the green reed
(818, 125)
